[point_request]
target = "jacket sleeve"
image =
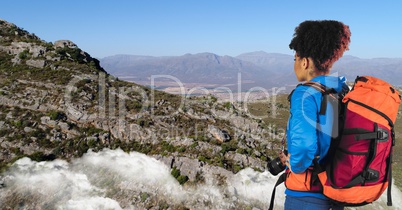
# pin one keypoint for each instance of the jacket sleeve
(302, 133)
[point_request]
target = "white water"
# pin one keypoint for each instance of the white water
(85, 183)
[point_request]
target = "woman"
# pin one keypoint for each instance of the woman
(317, 45)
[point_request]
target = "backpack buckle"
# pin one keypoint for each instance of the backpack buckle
(370, 175)
(382, 134)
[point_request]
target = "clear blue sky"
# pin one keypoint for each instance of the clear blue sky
(223, 27)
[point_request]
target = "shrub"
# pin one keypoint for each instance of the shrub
(133, 104)
(144, 196)
(175, 172)
(182, 179)
(227, 105)
(57, 151)
(3, 132)
(228, 146)
(17, 123)
(89, 131)
(202, 158)
(40, 134)
(143, 148)
(48, 45)
(56, 115)
(236, 168)
(181, 149)
(194, 145)
(74, 53)
(82, 148)
(24, 55)
(46, 143)
(40, 156)
(168, 147)
(15, 150)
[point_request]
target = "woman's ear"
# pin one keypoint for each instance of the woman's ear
(305, 63)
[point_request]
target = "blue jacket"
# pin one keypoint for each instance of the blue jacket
(308, 132)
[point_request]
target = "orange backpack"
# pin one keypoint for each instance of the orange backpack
(360, 169)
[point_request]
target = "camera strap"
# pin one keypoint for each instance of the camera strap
(283, 141)
(281, 179)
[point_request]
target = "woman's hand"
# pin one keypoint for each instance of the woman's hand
(285, 159)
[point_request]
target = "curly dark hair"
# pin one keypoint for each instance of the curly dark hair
(324, 41)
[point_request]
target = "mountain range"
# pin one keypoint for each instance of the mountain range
(259, 68)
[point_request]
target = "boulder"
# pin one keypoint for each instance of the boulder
(36, 63)
(220, 135)
(64, 43)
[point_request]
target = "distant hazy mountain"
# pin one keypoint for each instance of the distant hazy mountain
(262, 69)
(274, 61)
(388, 69)
(280, 64)
(189, 68)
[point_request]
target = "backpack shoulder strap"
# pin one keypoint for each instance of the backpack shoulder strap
(331, 92)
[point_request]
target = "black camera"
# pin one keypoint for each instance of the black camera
(275, 166)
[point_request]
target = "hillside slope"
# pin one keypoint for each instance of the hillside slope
(57, 102)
